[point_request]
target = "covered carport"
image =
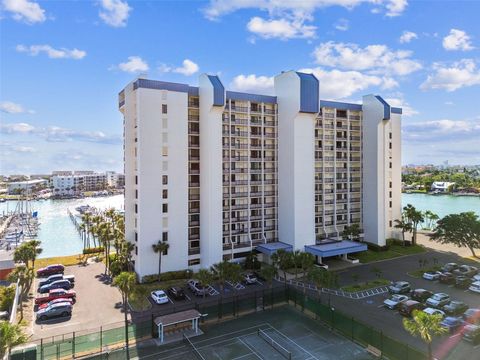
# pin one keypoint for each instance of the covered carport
(334, 248)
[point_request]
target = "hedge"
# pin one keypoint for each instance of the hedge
(167, 276)
(94, 250)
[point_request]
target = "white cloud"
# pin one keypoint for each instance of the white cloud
(114, 12)
(457, 40)
(396, 7)
(444, 129)
(375, 58)
(25, 10)
(298, 8)
(23, 149)
(408, 36)
(336, 84)
(51, 52)
(188, 68)
(399, 101)
(253, 83)
(135, 64)
(283, 29)
(10, 107)
(460, 74)
(342, 25)
(15, 128)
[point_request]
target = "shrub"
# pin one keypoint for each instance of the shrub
(377, 248)
(392, 241)
(167, 276)
(7, 295)
(94, 250)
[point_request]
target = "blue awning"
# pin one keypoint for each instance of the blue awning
(273, 247)
(335, 248)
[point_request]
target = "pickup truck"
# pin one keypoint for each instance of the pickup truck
(55, 294)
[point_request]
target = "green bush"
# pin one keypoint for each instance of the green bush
(167, 276)
(391, 241)
(94, 250)
(377, 248)
(7, 295)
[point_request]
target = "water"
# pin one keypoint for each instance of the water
(57, 232)
(443, 204)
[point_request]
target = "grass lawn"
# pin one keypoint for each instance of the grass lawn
(393, 252)
(366, 285)
(139, 299)
(64, 260)
(418, 273)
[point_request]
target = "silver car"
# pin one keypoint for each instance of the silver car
(62, 309)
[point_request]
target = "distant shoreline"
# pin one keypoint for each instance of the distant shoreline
(441, 194)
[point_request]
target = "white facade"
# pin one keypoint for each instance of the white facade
(216, 173)
(26, 185)
(70, 183)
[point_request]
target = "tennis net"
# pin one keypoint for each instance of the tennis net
(280, 349)
(194, 349)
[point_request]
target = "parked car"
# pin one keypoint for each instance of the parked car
(394, 301)
(449, 267)
(4, 315)
(58, 284)
(466, 270)
(51, 270)
(476, 277)
(472, 316)
(475, 287)
(420, 295)
(249, 278)
(407, 307)
(433, 311)
(399, 287)
(55, 294)
(438, 300)
(56, 277)
(177, 293)
(455, 308)
(159, 297)
(431, 275)
(471, 333)
(452, 323)
(447, 278)
(462, 282)
(56, 301)
(63, 309)
(197, 288)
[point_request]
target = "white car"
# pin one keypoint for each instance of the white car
(431, 275)
(159, 297)
(438, 300)
(394, 301)
(476, 277)
(475, 287)
(433, 311)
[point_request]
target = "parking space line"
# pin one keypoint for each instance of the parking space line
(380, 306)
(170, 300)
(188, 297)
(455, 335)
(258, 281)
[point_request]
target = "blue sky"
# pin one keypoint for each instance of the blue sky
(63, 63)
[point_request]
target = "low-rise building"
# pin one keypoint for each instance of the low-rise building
(442, 186)
(72, 183)
(19, 186)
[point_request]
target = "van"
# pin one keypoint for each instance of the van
(407, 307)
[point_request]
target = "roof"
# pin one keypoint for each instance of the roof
(335, 248)
(177, 317)
(273, 247)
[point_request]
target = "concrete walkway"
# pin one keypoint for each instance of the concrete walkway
(424, 239)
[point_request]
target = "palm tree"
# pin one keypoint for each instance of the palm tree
(36, 250)
(125, 282)
(268, 272)
(205, 277)
(11, 335)
(24, 276)
(426, 326)
(282, 260)
(415, 217)
(431, 217)
(220, 270)
(160, 248)
(297, 258)
(307, 261)
(404, 226)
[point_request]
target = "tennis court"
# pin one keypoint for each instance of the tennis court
(282, 333)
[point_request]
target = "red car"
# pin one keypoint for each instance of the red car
(51, 270)
(55, 294)
(56, 301)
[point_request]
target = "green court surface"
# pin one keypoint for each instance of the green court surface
(285, 333)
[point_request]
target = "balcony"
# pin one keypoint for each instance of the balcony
(269, 228)
(193, 236)
(237, 108)
(193, 251)
(193, 210)
(193, 184)
(193, 131)
(193, 145)
(193, 196)
(239, 194)
(270, 123)
(255, 206)
(240, 207)
(269, 112)
(193, 118)
(355, 138)
(355, 128)
(193, 104)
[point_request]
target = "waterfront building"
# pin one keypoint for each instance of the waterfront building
(18, 186)
(442, 186)
(219, 173)
(73, 182)
(115, 180)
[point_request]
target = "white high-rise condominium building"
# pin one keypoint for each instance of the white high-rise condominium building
(219, 173)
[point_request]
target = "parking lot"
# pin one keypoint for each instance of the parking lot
(98, 303)
(372, 311)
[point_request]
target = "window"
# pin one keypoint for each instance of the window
(136, 208)
(390, 164)
(390, 223)
(165, 150)
(390, 204)
(136, 236)
(165, 179)
(390, 185)
(390, 194)
(136, 180)
(164, 194)
(136, 250)
(193, 262)
(390, 136)
(390, 145)
(136, 194)
(165, 236)
(164, 108)
(164, 208)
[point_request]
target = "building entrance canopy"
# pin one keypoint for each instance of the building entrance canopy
(334, 248)
(273, 247)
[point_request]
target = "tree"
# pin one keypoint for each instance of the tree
(205, 277)
(462, 230)
(425, 326)
(160, 248)
(307, 261)
(11, 335)
(282, 260)
(24, 276)
(415, 217)
(268, 272)
(351, 232)
(296, 258)
(35, 250)
(23, 254)
(220, 271)
(404, 226)
(430, 218)
(322, 278)
(126, 284)
(234, 273)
